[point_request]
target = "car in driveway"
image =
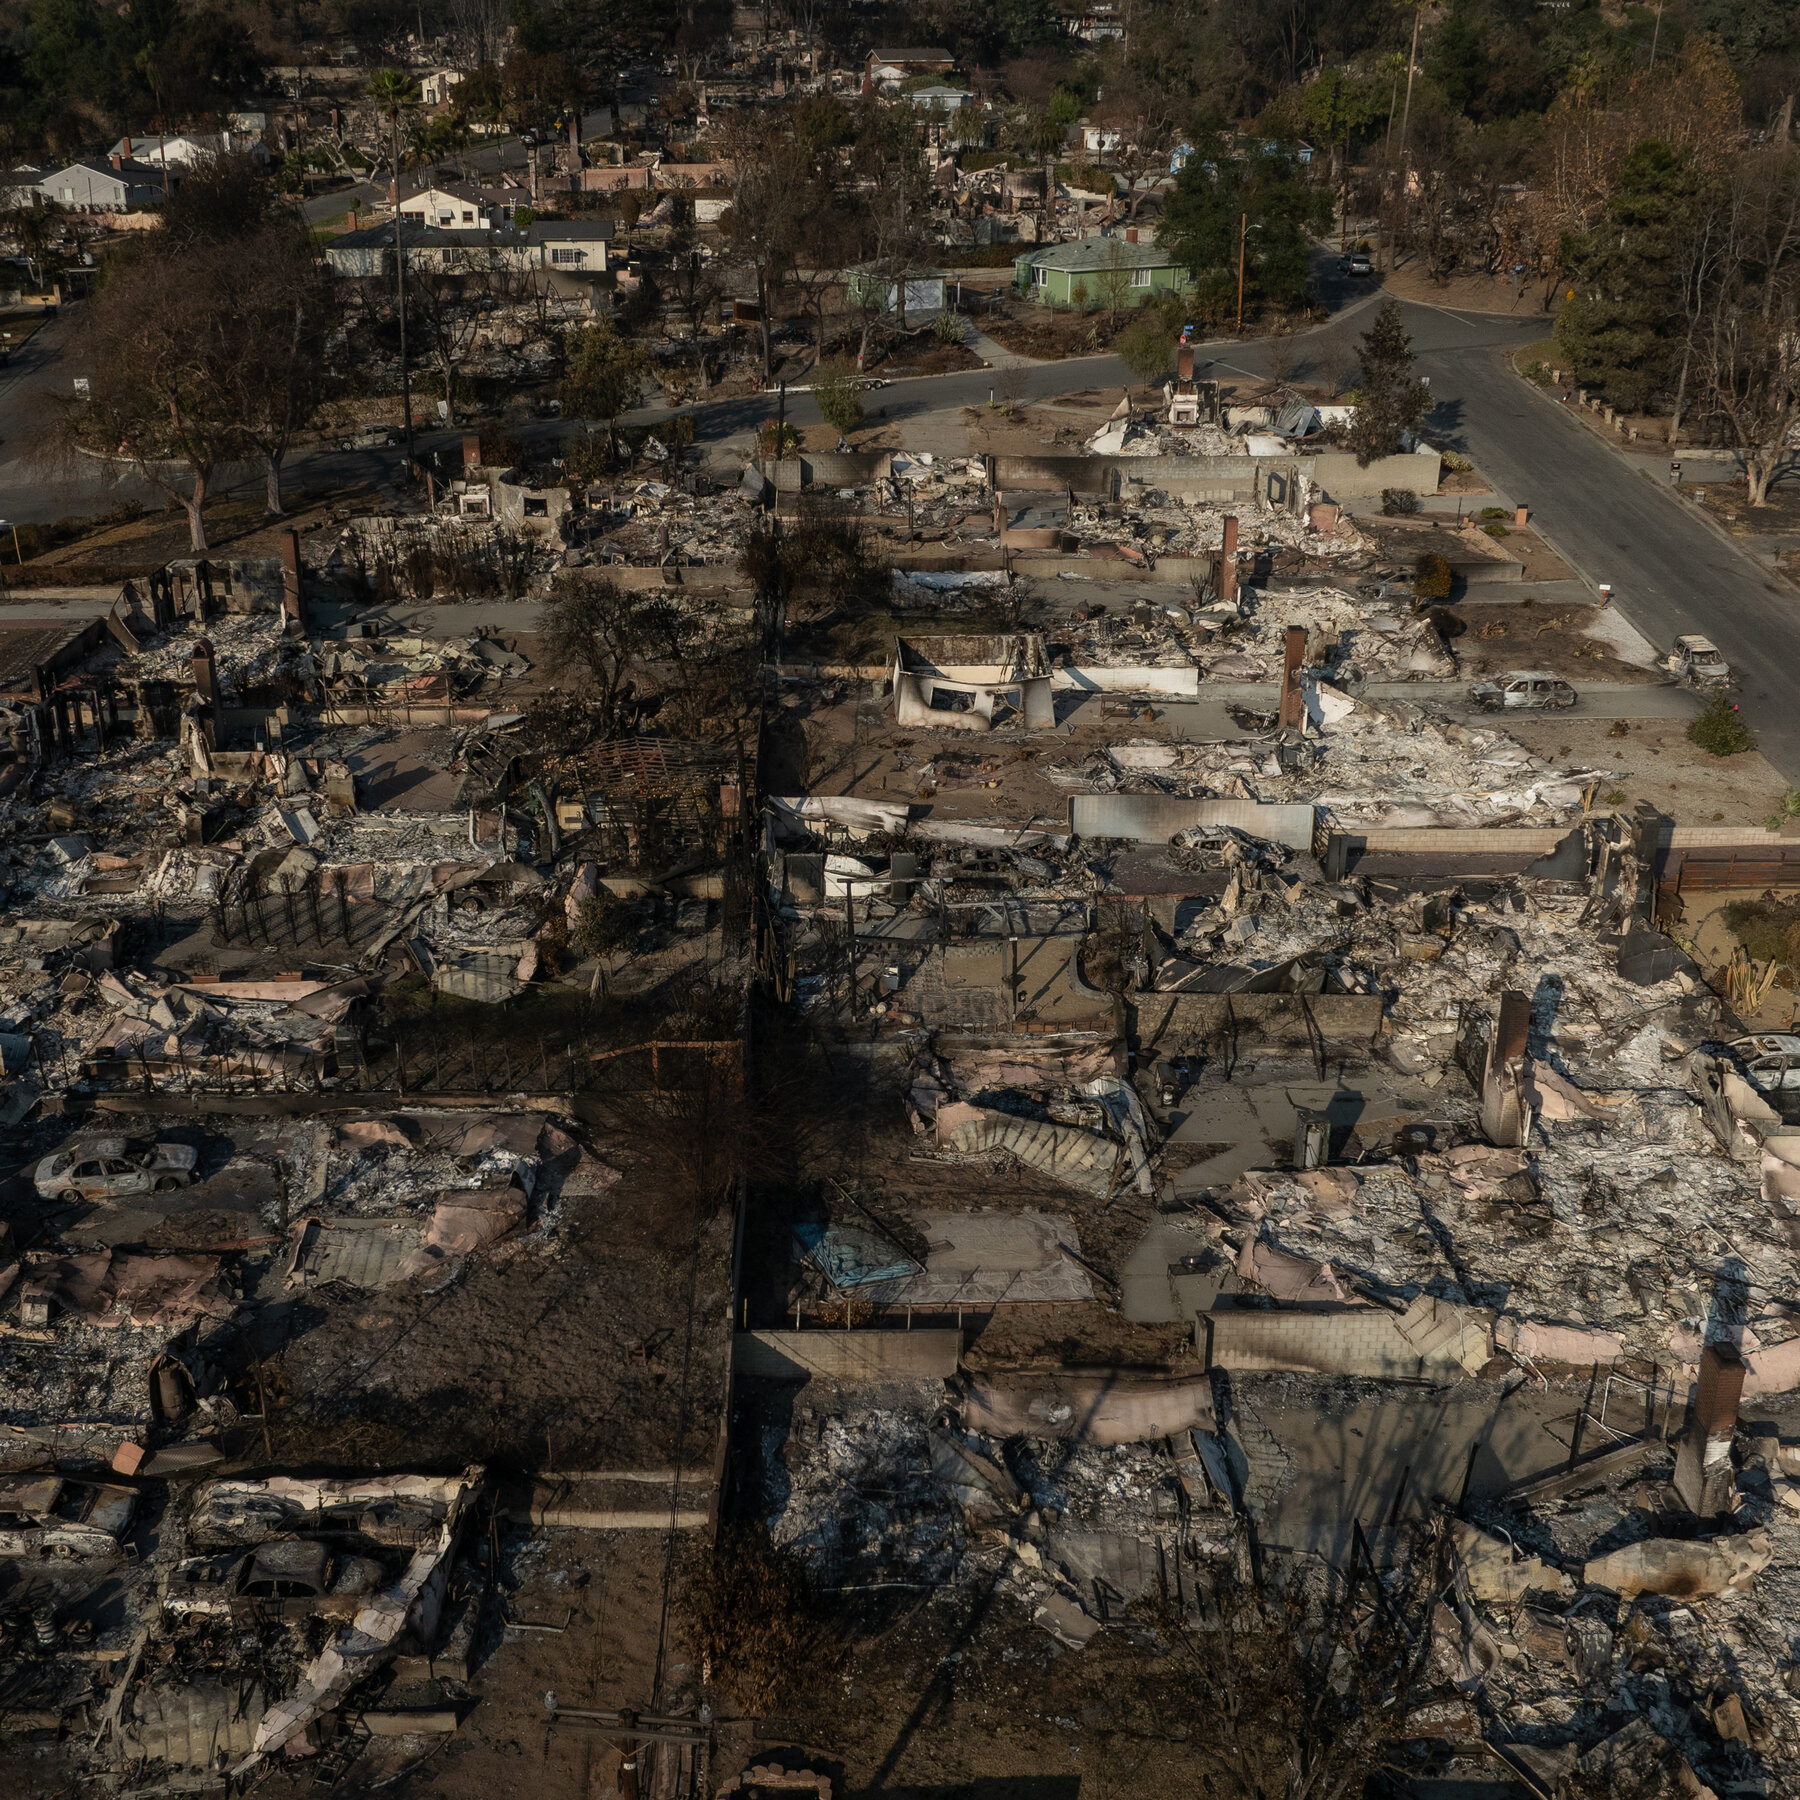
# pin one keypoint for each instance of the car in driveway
(1771, 1060)
(113, 1168)
(1355, 265)
(1534, 689)
(1695, 662)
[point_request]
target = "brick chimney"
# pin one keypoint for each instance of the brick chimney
(471, 451)
(350, 219)
(1228, 560)
(125, 146)
(118, 162)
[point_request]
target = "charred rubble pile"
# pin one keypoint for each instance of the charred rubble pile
(1317, 1165)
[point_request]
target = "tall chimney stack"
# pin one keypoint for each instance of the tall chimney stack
(1228, 561)
(206, 671)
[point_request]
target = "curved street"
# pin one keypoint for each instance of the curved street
(1670, 571)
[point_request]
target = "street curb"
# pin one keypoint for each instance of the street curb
(1699, 512)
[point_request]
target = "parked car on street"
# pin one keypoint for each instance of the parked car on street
(1355, 265)
(1523, 688)
(371, 437)
(1695, 662)
(110, 1168)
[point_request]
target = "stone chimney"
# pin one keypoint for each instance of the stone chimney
(206, 671)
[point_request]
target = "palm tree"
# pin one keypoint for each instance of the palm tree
(393, 93)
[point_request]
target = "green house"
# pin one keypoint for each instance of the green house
(1098, 271)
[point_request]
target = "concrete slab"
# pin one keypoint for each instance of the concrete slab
(983, 1259)
(1386, 1458)
(847, 1355)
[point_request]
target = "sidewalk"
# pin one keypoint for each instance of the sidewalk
(1701, 467)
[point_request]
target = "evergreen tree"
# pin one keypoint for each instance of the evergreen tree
(1389, 402)
(1622, 327)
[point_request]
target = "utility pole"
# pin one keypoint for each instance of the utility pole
(1412, 63)
(400, 282)
(1243, 238)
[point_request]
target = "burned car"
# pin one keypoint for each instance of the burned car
(287, 1578)
(1531, 688)
(1771, 1060)
(110, 1168)
(46, 1515)
(1695, 662)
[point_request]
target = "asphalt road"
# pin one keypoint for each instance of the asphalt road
(1670, 573)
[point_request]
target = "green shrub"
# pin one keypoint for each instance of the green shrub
(1495, 530)
(778, 440)
(834, 392)
(1789, 808)
(1431, 577)
(1720, 731)
(947, 328)
(1493, 512)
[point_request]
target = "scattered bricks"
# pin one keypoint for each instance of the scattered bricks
(128, 1458)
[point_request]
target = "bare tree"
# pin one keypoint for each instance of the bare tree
(1749, 350)
(762, 223)
(1304, 1694)
(591, 626)
(443, 313)
(287, 305)
(480, 27)
(157, 355)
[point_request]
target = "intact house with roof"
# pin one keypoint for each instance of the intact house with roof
(1096, 271)
(456, 206)
(890, 65)
(188, 149)
(113, 184)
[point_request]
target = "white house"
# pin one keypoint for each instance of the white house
(890, 65)
(184, 149)
(115, 185)
(456, 207)
(436, 88)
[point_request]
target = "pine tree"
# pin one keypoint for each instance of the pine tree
(1389, 402)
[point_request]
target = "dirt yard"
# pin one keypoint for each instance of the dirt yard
(1652, 760)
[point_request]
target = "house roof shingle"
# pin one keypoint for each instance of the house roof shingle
(1088, 254)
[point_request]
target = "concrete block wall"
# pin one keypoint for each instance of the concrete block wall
(1359, 1340)
(1164, 1024)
